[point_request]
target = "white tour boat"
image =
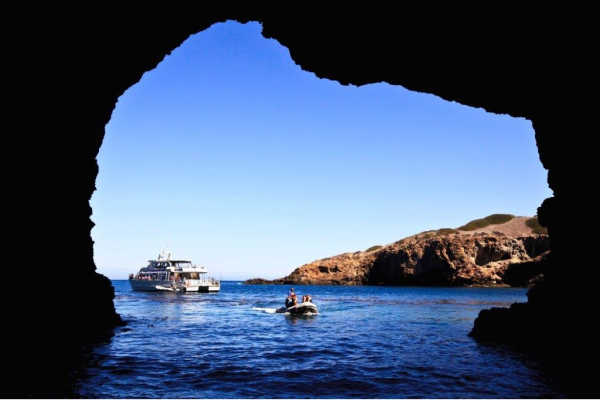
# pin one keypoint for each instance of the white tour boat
(173, 275)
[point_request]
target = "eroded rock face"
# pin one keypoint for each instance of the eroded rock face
(455, 260)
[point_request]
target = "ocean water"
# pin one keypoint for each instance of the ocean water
(368, 342)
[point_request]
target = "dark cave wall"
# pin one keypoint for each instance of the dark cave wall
(479, 62)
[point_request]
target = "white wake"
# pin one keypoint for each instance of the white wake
(265, 310)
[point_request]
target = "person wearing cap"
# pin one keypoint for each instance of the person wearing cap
(291, 299)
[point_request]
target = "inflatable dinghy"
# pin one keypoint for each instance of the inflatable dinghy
(305, 308)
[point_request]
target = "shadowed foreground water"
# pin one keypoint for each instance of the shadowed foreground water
(366, 342)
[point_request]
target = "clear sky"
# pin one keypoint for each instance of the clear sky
(230, 155)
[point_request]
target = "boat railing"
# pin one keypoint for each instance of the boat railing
(202, 281)
(152, 276)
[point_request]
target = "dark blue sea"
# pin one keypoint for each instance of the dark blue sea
(369, 342)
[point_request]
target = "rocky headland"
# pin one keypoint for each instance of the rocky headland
(499, 250)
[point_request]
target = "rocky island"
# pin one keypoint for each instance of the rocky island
(498, 250)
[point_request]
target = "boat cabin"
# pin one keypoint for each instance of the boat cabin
(171, 270)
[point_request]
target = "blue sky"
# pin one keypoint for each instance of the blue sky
(230, 155)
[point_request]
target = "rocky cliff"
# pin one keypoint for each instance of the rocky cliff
(482, 256)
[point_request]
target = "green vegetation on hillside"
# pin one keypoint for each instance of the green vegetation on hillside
(446, 231)
(489, 220)
(425, 232)
(535, 226)
(373, 248)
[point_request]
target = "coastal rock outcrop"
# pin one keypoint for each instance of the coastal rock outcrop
(258, 281)
(447, 257)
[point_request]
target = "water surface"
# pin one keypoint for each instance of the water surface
(368, 342)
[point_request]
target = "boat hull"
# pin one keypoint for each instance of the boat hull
(147, 286)
(305, 308)
(139, 285)
(205, 289)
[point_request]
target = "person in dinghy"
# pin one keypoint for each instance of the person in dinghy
(293, 307)
(291, 300)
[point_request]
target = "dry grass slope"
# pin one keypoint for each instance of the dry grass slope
(373, 248)
(483, 222)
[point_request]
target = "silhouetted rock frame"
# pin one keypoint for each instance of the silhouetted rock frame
(516, 63)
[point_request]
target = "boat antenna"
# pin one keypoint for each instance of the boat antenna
(164, 255)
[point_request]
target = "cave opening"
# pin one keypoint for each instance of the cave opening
(228, 148)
